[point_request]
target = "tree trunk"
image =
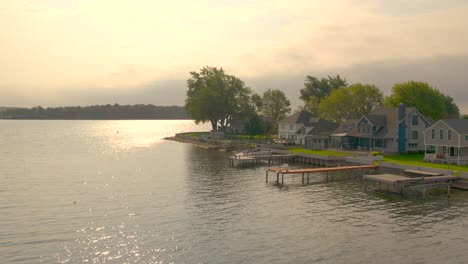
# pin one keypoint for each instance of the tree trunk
(213, 124)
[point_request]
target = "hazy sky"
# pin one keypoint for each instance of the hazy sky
(81, 52)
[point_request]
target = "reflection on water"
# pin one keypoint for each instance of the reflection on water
(79, 192)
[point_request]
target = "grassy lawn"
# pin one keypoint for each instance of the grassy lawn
(295, 150)
(197, 134)
(242, 136)
(417, 160)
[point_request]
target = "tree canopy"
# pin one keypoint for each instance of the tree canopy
(274, 104)
(351, 102)
(216, 97)
(316, 89)
(430, 101)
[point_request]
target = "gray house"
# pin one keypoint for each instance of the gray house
(394, 130)
(303, 127)
(446, 141)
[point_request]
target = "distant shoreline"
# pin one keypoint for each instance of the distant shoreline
(97, 112)
(90, 119)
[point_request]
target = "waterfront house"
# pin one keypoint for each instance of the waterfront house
(446, 141)
(391, 130)
(303, 127)
(341, 139)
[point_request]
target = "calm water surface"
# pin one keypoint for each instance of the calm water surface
(116, 192)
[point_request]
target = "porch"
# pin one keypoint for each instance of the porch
(446, 154)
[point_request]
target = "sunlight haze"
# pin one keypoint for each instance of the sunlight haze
(56, 52)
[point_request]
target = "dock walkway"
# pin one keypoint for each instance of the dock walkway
(397, 184)
(282, 171)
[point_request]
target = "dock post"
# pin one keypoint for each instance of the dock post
(282, 178)
(448, 188)
(366, 184)
(277, 177)
(266, 176)
(302, 178)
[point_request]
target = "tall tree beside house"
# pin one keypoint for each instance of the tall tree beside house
(351, 102)
(428, 100)
(451, 107)
(317, 89)
(257, 101)
(216, 97)
(275, 104)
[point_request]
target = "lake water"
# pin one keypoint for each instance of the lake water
(116, 192)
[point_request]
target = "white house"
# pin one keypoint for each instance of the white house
(446, 141)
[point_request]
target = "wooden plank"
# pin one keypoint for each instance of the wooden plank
(423, 173)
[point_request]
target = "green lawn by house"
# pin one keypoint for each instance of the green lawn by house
(197, 135)
(295, 150)
(417, 160)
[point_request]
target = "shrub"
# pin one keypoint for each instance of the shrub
(376, 153)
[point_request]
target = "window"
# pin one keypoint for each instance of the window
(433, 133)
(449, 134)
(414, 135)
(414, 120)
(441, 134)
(466, 137)
(378, 143)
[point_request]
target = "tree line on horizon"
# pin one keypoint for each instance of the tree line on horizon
(219, 98)
(95, 112)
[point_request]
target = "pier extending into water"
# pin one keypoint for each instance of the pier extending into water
(279, 157)
(356, 171)
(397, 184)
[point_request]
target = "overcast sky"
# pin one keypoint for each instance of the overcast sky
(82, 52)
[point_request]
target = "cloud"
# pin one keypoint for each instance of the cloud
(51, 49)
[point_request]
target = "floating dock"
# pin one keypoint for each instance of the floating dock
(283, 170)
(397, 184)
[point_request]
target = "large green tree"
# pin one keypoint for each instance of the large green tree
(451, 107)
(275, 104)
(351, 102)
(430, 101)
(316, 89)
(216, 97)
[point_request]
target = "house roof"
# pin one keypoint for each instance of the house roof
(318, 125)
(346, 126)
(377, 120)
(460, 125)
(302, 117)
(323, 126)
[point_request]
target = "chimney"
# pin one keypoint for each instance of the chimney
(401, 111)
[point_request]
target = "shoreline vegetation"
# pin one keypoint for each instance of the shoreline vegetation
(245, 142)
(97, 112)
(232, 143)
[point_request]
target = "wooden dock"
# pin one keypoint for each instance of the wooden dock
(397, 184)
(419, 173)
(284, 170)
(244, 160)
